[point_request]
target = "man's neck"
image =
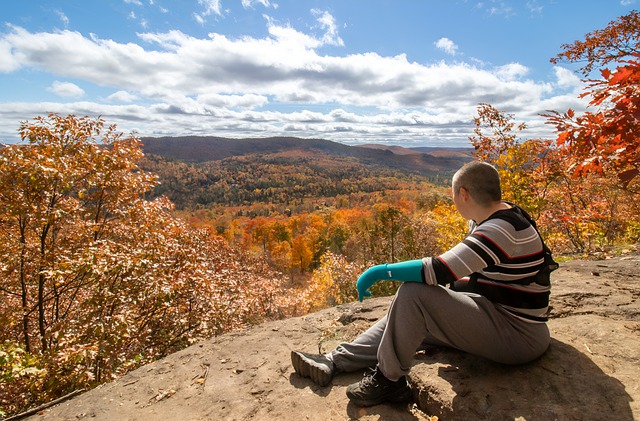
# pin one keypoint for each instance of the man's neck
(484, 213)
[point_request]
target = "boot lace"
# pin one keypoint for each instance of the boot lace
(370, 378)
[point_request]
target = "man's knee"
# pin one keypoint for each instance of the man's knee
(417, 291)
(419, 288)
(410, 290)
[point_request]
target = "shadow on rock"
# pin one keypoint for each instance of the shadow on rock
(385, 412)
(563, 384)
(340, 380)
(300, 382)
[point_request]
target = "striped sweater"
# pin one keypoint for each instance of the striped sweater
(503, 253)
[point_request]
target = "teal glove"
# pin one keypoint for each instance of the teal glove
(409, 271)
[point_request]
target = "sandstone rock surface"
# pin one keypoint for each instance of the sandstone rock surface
(591, 371)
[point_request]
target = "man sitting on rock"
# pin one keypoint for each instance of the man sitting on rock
(496, 305)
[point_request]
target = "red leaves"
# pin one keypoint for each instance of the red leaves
(600, 47)
(562, 138)
(628, 175)
(620, 77)
(608, 138)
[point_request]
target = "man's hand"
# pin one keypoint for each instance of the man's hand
(409, 271)
(368, 278)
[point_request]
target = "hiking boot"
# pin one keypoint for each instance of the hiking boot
(317, 367)
(375, 389)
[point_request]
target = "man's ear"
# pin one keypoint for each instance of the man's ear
(464, 193)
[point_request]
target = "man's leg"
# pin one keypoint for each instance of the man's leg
(347, 357)
(362, 352)
(422, 314)
(468, 322)
(465, 321)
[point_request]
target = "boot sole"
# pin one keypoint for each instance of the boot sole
(310, 369)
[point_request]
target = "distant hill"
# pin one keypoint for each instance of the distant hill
(213, 171)
(437, 151)
(210, 148)
(204, 149)
(398, 150)
(445, 152)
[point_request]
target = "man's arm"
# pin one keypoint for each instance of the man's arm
(408, 271)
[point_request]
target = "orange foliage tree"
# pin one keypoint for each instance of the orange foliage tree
(606, 139)
(95, 279)
(593, 205)
(585, 213)
(526, 167)
(601, 147)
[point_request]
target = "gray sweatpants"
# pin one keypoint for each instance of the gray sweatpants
(422, 314)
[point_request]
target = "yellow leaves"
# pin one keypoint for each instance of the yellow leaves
(332, 283)
(301, 253)
(450, 226)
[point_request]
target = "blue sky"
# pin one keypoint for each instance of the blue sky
(403, 72)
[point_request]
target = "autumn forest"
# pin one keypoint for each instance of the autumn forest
(116, 251)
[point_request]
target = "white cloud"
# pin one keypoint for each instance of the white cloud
(566, 78)
(446, 45)
(327, 22)
(246, 86)
(198, 18)
(9, 59)
(511, 71)
(241, 101)
(534, 7)
(498, 8)
(211, 7)
(66, 89)
(63, 18)
(122, 96)
(249, 4)
(166, 119)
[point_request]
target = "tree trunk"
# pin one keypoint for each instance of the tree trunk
(23, 286)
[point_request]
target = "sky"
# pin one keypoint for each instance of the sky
(395, 72)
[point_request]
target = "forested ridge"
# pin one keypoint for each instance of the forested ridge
(211, 148)
(290, 177)
(101, 273)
